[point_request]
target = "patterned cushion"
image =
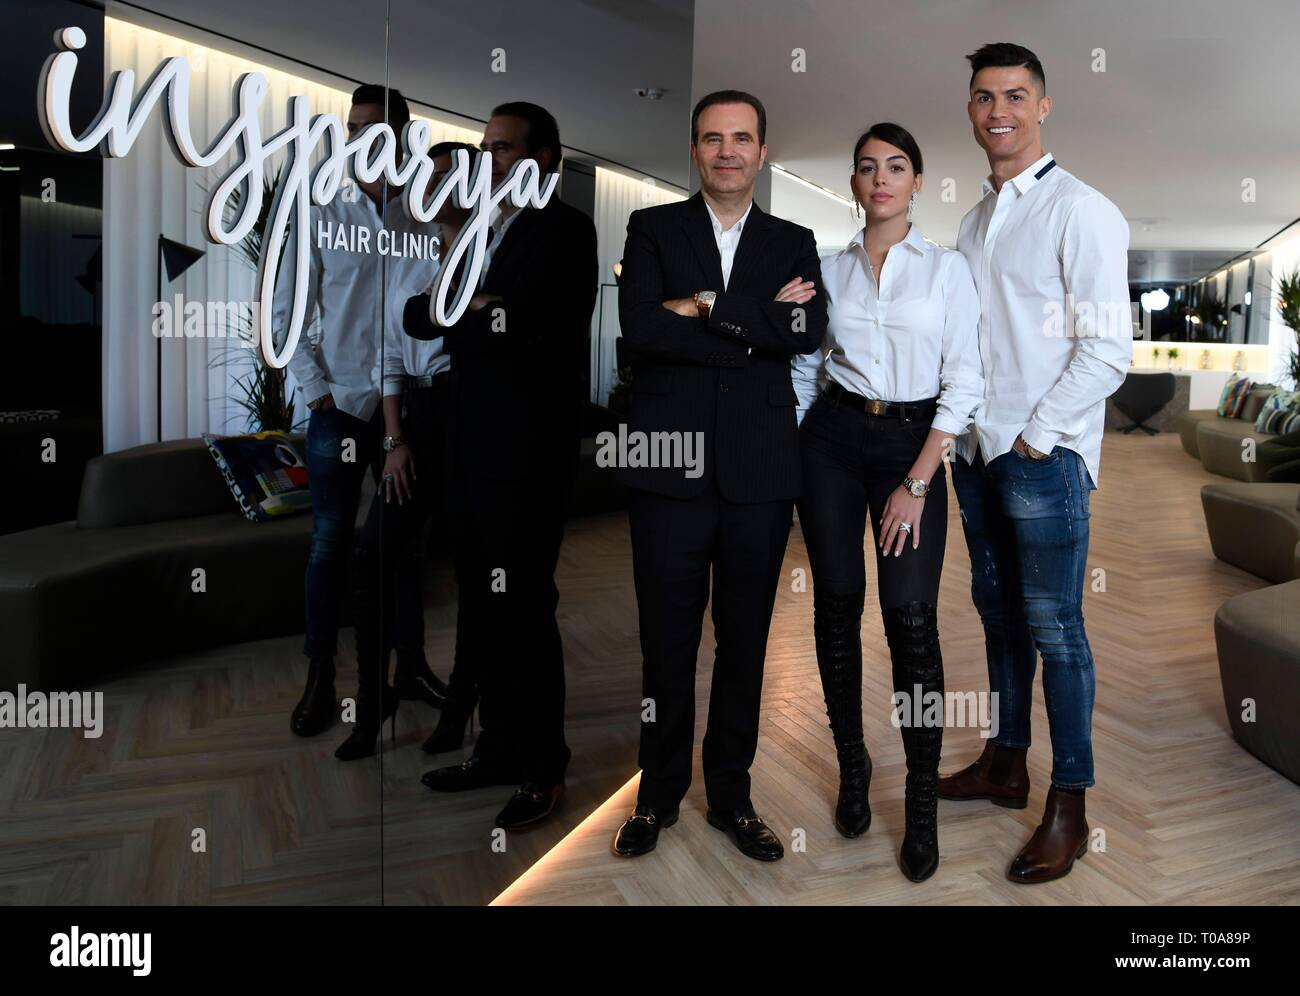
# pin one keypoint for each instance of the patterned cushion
(1233, 397)
(1280, 408)
(264, 471)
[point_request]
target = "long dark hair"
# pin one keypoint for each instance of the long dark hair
(895, 135)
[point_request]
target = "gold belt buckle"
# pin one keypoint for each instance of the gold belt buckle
(875, 406)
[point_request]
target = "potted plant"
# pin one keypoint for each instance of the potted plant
(1173, 355)
(263, 387)
(1287, 298)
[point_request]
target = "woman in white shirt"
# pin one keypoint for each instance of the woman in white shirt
(898, 378)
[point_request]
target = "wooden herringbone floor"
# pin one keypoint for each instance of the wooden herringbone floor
(202, 742)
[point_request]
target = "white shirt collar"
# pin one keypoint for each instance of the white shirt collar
(738, 227)
(1026, 179)
(914, 240)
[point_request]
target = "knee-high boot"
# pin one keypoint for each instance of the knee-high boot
(837, 625)
(913, 634)
(376, 702)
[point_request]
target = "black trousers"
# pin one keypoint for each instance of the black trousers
(390, 551)
(852, 462)
(507, 545)
(675, 545)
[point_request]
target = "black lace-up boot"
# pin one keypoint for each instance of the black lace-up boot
(837, 623)
(913, 634)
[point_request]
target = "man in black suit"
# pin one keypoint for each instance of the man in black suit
(518, 356)
(715, 297)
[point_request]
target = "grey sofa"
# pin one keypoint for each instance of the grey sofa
(1217, 441)
(114, 587)
(1257, 527)
(1254, 526)
(1258, 639)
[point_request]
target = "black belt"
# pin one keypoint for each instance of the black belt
(424, 380)
(906, 410)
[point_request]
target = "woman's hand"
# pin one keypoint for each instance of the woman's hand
(902, 507)
(399, 474)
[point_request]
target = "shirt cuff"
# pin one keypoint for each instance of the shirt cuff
(1043, 440)
(316, 389)
(948, 423)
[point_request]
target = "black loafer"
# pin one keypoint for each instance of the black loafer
(750, 834)
(471, 773)
(640, 833)
(530, 804)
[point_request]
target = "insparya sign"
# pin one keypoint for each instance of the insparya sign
(372, 154)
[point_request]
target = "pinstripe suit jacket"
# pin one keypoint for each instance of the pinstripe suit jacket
(728, 377)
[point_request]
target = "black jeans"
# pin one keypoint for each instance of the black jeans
(852, 462)
(390, 601)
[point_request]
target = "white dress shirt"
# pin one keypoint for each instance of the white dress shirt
(404, 355)
(727, 240)
(498, 233)
(1049, 363)
(345, 287)
(912, 337)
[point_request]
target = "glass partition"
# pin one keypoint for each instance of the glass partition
(179, 551)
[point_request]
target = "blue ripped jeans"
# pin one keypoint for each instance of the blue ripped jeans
(1026, 524)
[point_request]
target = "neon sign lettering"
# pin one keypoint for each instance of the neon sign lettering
(372, 154)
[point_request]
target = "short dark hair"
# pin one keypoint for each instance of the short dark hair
(729, 97)
(447, 148)
(376, 93)
(1006, 54)
(895, 135)
(543, 132)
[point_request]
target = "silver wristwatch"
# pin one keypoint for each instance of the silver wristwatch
(916, 487)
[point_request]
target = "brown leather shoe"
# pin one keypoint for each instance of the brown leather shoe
(1059, 840)
(973, 781)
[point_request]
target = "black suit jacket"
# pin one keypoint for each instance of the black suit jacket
(515, 394)
(689, 375)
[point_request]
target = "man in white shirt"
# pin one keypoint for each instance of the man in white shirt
(1049, 258)
(390, 550)
(338, 376)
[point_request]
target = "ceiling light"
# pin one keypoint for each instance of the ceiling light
(776, 168)
(1156, 300)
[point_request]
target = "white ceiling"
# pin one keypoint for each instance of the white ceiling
(581, 59)
(1197, 95)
